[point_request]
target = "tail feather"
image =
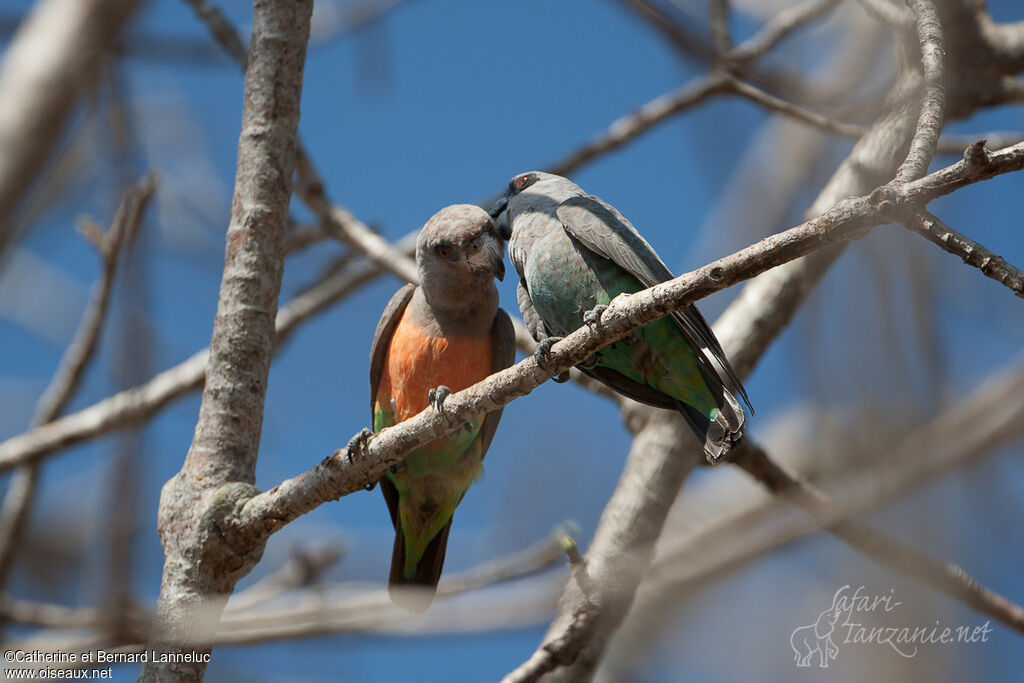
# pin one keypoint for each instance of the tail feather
(723, 433)
(416, 593)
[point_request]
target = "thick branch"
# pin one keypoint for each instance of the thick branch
(198, 575)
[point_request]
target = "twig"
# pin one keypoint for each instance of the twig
(931, 116)
(21, 490)
(956, 144)
(721, 38)
(135, 405)
(663, 107)
(779, 27)
(196, 579)
(304, 568)
(334, 220)
(363, 611)
(223, 32)
(780, 106)
(945, 577)
(662, 455)
(693, 552)
(340, 223)
(972, 253)
(628, 127)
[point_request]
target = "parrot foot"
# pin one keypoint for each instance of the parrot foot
(592, 318)
(543, 354)
(436, 397)
(357, 444)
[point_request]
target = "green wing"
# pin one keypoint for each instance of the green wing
(598, 226)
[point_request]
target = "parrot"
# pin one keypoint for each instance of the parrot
(441, 336)
(574, 253)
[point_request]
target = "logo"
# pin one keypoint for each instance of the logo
(843, 624)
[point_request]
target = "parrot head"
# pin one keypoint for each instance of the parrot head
(461, 246)
(534, 191)
(523, 214)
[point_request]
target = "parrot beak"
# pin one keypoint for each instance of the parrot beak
(489, 259)
(498, 212)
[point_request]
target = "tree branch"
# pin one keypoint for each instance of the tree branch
(198, 575)
(931, 116)
(972, 253)
(137, 404)
(945, 577)
(22, 487)
(49, 63)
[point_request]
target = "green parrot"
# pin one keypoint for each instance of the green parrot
(575, 253)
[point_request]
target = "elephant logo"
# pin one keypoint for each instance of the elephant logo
(816, 638)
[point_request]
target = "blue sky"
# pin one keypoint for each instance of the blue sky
(442, 102)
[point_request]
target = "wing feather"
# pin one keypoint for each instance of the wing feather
(601, 228)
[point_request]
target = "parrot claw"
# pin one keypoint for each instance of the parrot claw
(590, 362)
(561, 378)
(357, 444)
(592, 318)
(543, 353)
(436, 397)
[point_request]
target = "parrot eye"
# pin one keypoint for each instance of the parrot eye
(444, 252)
(522, 182)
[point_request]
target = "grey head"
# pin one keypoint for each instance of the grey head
(527, 209)
(459, 252)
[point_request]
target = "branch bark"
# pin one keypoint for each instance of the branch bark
(198, 575)
(973, 253)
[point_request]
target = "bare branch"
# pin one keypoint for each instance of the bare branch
(945, 577)
(48, 64)
(340, 223)
(931, 116)
(779, 27)
(780, 106)
(356, 610)
(304, 568)
(21, 490)
(625, 128)
(137, 404)
(197, 578)
(972, 253)
(662, 455)
(721, 38)
(663, 107)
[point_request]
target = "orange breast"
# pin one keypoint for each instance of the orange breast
(418, 362)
